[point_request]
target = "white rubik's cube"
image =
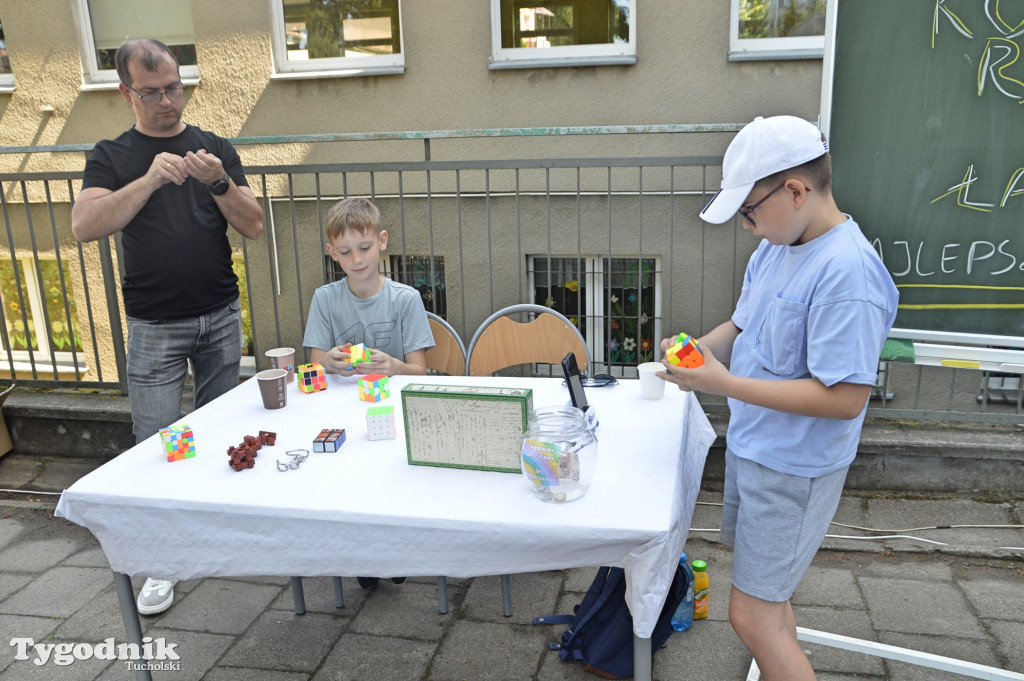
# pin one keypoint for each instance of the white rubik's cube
(380, 423)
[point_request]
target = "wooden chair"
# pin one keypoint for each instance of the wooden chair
(448, 356)
(502, 342)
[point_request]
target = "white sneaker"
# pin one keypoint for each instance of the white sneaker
(156, 596)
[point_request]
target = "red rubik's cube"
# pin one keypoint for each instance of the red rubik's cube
(310, 377)
(179, 443)
(685, 353)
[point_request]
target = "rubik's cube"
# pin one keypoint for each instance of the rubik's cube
(685, 353)
(179, 442)
(373, 387)
(310, 377)
(329, 440)
(358, 354)
(380, 422)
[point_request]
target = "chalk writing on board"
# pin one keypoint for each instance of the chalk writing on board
(977, 261)
(1014, 187)
(929, 163)
(999, 54)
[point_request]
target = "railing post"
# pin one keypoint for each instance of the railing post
(114, 314)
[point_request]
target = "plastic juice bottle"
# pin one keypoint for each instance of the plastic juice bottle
(700, 590)
(682, 618)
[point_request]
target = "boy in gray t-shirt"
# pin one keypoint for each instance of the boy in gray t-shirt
(365, 307)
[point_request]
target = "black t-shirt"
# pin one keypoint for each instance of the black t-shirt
(177, 259)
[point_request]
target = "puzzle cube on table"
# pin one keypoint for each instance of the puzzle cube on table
(685, 353)
(358, 354)
(311, 377)
(179, 443)
(380, 422)
(373, 387)
(329, 440)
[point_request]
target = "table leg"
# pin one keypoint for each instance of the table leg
(339, 595)
(442, 595)
(506, 595)
(130, 615)
(641, 658)
(298, 596)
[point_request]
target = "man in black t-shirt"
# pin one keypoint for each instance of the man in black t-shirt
(171, 190)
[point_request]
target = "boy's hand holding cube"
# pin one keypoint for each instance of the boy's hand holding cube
(685, 352)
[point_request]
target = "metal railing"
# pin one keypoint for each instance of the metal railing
(471, 234)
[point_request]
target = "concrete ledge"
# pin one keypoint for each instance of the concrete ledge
(80, 423)
(924, 456)
(894, 455)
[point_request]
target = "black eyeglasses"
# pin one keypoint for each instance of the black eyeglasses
(598, 381)
(745, 213)
(174, 93)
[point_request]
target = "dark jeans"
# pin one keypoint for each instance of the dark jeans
(158, 357)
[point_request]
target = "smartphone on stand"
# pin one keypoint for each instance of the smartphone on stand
(574, 380)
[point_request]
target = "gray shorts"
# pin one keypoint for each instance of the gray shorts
(775, 523)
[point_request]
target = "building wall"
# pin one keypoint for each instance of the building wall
(681, 76)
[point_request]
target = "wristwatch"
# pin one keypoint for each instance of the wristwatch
(220, 186)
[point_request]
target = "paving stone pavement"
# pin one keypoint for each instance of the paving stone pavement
(956, 592)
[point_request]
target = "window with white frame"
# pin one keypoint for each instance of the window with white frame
(777, 29)
(105, 25)
(323, 38)
(614, 302)
(538, 33)
(6, 78)
(33, 294)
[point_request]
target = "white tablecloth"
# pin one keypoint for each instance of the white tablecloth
(365, 511)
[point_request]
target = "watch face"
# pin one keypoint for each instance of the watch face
(219, 187)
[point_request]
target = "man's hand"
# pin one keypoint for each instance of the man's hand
(167, 167)
(204, 167)
(97, 212)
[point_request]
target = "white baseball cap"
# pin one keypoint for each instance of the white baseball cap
(763, 147)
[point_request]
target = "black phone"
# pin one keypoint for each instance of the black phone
(572, 379)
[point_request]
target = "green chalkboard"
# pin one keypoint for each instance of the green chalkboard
(926, 129)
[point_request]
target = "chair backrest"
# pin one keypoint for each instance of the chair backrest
(501, 342)
(448, 356)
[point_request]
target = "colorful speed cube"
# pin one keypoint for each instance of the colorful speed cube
(380, 422)
(685, 353)
(373, 387)
(310, 377)
(358, 354)
(179, 442)
(329, 440)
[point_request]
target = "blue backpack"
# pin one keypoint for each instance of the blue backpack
(601, 631)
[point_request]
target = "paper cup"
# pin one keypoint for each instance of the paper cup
(282, 358)
(651, 387)
(273, 387)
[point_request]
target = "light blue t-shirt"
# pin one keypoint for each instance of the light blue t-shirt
(392, 321)
(821, 309)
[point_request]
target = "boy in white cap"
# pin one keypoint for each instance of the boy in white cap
(803, 347)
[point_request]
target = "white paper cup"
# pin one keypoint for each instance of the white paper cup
(651, 387)
(282, 358)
